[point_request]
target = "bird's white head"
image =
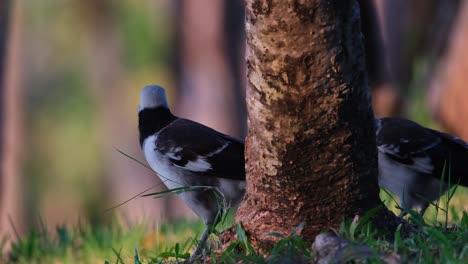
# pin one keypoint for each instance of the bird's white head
(152, 96)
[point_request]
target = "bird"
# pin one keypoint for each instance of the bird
(418, 164)
(207, 164)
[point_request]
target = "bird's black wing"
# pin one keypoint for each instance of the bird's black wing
(453, 158)
(407, 142)
(200, 149)
(451, 140)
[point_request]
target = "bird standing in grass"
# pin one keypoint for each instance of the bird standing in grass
(206, 165)
(418, 164)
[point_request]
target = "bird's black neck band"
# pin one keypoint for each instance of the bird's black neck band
(152, 120)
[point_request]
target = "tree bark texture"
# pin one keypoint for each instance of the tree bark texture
(448, 91)
(310, 150)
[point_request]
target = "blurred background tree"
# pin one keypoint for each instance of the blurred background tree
(448, 92)
(415, 35)
(83, 66)
(4, 14)
(12, 198)
(72, 72)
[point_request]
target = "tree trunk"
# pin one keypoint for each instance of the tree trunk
(12, 108)
(373, 43)
(310, 150)
(386, 99)
(414, 31)
(208, 59)
(4, 22)
(405, 27)
(4, 19)
(448, 92)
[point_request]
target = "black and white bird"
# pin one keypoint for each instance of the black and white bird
(418, 164)
(185, 153)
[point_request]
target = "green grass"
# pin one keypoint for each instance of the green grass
(436, 213)
(442, 237)
(430, 244)
(114, 243)
(95, 244)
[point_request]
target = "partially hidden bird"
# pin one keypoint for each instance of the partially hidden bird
(418, 164)
(206, 167)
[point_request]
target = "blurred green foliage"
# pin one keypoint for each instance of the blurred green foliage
(65, 163)
(144, 33)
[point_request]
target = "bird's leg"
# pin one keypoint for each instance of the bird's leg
(201, 244)
(405, 202)
(403, 212)
(423, 209)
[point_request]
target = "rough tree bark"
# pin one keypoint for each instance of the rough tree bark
(310, 150)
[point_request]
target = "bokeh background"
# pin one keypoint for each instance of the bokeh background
(71, 72)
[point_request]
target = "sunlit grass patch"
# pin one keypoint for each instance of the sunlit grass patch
(454, 206)
(94, 244)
